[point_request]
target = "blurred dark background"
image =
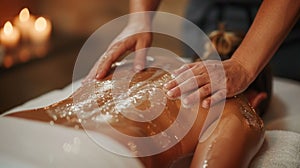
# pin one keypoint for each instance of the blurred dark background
(72, 23)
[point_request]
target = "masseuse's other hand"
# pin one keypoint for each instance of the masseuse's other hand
(192, 80)
(133, 37)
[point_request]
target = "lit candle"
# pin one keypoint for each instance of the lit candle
(41, 31)
(9, 35)
(24, 22)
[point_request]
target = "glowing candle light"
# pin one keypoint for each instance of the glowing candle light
(40, 24)
(41, 31)
(8, 28)
(24, 15)
(24, 22)
(9, 35)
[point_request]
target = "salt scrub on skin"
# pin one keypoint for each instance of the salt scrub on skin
(250, 118)
(94, 104)
(86, 105)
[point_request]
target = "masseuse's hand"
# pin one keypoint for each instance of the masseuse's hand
(128, 39)
(192, 80)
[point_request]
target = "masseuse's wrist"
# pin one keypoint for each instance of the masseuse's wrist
(249, 70)
(140, 28)
(140, 21)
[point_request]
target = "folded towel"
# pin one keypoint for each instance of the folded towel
(281, 149)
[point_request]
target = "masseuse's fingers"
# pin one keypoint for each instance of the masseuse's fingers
(212, 80)
(110, 56)
(204, 95)
(141, 51)
(197, 95)
(180, 76)
(184, 68)
(171, 84)
(129, 39)
(104, 63)
(214, 98)
(190, 79)
(188, 85)
(194, 82)
(139, 60)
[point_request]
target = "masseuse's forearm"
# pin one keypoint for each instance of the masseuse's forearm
(142, 6)
(272, 23)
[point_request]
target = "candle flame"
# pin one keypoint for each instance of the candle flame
(8, 28)
(24, 15)
(40, 24)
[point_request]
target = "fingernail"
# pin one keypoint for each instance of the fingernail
(173, 76)
(205, 104)
(185, 101)
(176, 71)
(98, 76)
(170, 93)
(167, 85)
(138, 68)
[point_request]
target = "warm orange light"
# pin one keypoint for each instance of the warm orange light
(8, 28)
(41, 30)
(24, 15)
(40, 24)
(8, 61)
(9, 36)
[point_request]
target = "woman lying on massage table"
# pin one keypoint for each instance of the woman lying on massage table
(237, 137)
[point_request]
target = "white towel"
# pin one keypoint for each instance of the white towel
(281, 149)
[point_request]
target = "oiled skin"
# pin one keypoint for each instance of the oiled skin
(233, 143)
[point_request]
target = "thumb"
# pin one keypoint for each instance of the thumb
(140, 57)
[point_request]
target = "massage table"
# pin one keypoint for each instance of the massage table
(27, 143)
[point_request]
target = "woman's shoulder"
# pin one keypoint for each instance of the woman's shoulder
(239, 106)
